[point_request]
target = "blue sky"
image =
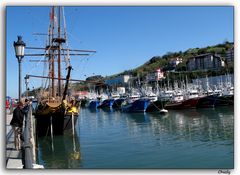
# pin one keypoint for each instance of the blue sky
(124, 37)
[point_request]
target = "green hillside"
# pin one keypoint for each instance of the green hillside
(164, 61)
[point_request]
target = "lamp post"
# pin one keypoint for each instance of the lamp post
(27, 82)
(19, 47)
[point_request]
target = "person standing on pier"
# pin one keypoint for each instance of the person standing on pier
(17, 124)
(26, 106)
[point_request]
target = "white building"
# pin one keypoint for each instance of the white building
(154, 76)
(121, 90)
(175, 61)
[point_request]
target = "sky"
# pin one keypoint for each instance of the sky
(124, 37)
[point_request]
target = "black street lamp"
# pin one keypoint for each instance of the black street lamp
(19, 47)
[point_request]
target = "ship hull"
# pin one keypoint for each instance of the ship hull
(137, 106)
(185, 104)
(156, 106)
(207, 101)
(118, 103)
(94, 104)
(225, 100)
(106, 103)
(53, 120)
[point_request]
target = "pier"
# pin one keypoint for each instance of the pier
(25, 158)
(13, 157)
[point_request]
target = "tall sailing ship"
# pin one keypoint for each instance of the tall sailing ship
(56, 111)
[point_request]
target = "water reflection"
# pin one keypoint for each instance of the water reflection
(180, 139)
(107, 110)
(63, 152)
(195, 125)
(93, 110)
(139, 118)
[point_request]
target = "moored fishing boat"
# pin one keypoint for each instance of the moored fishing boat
(155, 106)
(181, 101)
(208, 98)
(164, 97)
(207, 101)
(224, 100)
(184, 104)
(226, 97)
(139, 105)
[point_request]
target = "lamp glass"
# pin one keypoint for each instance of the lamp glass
(19, 50)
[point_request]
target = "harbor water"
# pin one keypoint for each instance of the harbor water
(196, 138)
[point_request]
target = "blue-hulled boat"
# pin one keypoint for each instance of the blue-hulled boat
(106, 103)
(139, 105)
(94, 104)
(156, 106)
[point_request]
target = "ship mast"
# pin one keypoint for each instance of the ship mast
(59, 52)
(51, 50)
(54, 50)
(56, 46)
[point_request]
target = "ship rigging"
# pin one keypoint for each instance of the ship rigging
(56, 110)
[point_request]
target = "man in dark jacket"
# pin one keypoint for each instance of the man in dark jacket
(17, 124)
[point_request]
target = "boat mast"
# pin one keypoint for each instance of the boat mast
(59, 52)
(52, 52)
(57, 41)
(49, 61)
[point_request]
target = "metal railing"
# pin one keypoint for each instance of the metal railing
(27, 149)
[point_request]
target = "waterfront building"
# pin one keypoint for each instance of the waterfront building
(229, 57)
(81, 94)
(207, 61)
(175, 61)
(121, 90)
(121, 80)
(155, 76)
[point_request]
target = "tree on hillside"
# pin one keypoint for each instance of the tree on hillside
(202, 51)
(95, 78)
(154, 59)
(181, 67)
